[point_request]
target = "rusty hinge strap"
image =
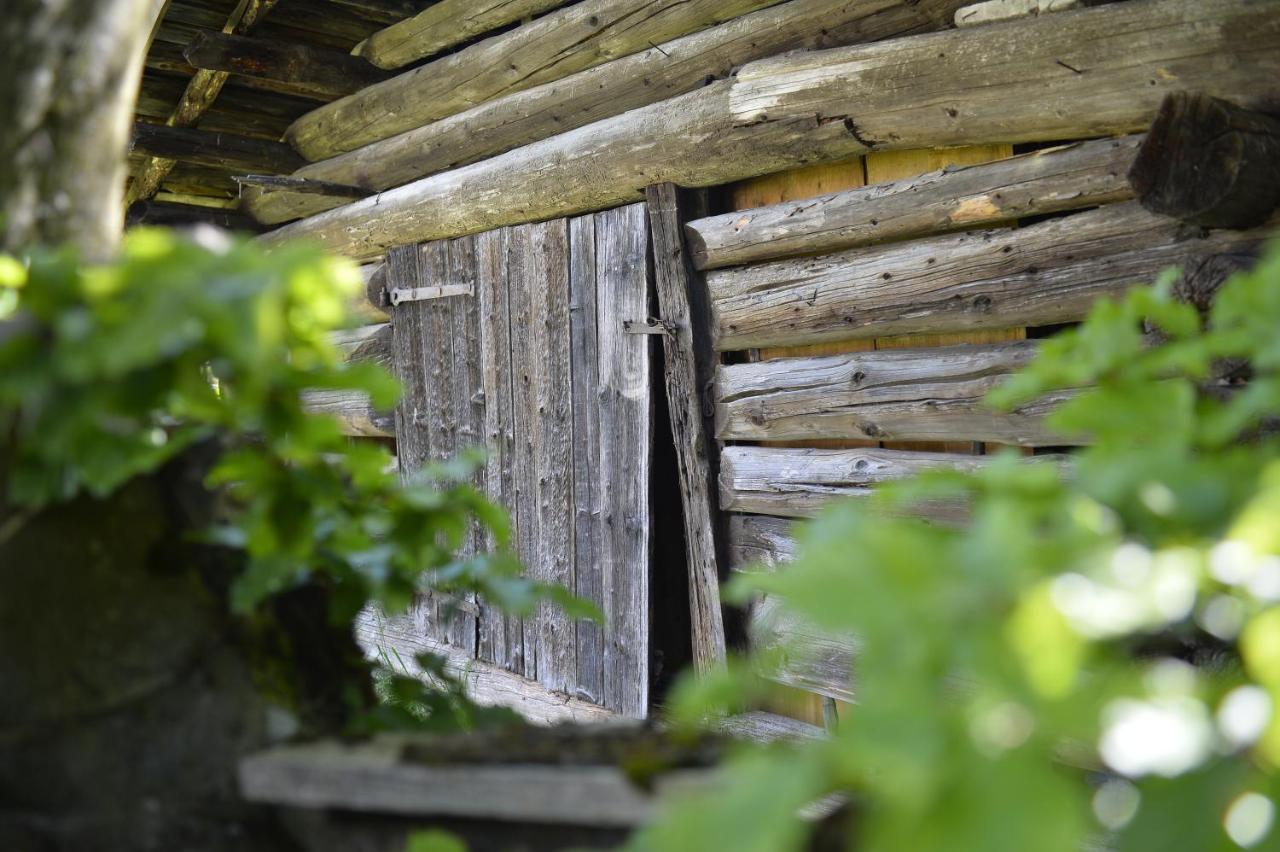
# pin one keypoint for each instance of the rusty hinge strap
(399, 296)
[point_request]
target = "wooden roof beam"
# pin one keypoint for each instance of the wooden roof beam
(447, 23)
(292, 69)
(202, 90)
(216, 150)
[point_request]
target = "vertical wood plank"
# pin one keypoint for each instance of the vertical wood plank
(409, 343)
(464, 413)
(689, 364)
(524, 417)
(500, 636)
(625, 409)
(589, 560)
(540, 351)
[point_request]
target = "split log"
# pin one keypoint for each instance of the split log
(760, 542)
(800, 482)
(1208, 162)
(1048, 273)
(688, 362)
(599, 166)
(354, 412)
(995, 11)
(1088, 72)
(675, 68)
(573, 39)
(1051, 180)
(171, 214)
(198, 96)
(932, 394)
(443, 25)
(225, 151)
(293, 69)
(840, 103)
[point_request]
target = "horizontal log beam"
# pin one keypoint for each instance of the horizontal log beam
(800, 482)
(1052, 180)
(676, 67)
(295, 69)
(1043, 274)
(443, 25)
(932, 394)
(760, 542)
(838, 103)
(550, 48)
(602, 165)
(354, 412)
(996, 11)
(225, 151)
(1076, 74)
(1209, 162)
(174, 214)
(812, 659)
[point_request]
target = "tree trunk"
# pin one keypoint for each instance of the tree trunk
(128, 689)
(69, 75)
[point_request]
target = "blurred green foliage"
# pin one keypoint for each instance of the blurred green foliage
(1093, 660)
(109, 371)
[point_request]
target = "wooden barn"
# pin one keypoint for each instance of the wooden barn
(689, 269)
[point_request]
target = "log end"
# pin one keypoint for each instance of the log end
(1209, 162)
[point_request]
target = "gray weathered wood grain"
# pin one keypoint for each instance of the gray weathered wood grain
(500, 636)
(678, 67)
(811, 659)
(761, 727)
(544, 437)
(486, 684)
(626, 435)
(995, 11)
(1086, 72)
(1047, 273)
(354, 412)
(800, 482)
(760, 542)
(834, 104)
(1052, 180)
(902, 395)
(688, 363)
(588, 496)
(578, 37)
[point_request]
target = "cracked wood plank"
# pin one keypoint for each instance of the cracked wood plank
(557, 45)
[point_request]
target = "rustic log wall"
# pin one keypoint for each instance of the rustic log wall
(671, 69)
(1090, 72)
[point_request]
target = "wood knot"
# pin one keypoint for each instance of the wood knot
(982, 304)
(857, 378)
(871, 430)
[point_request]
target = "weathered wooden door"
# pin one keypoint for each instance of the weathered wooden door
(514, 341)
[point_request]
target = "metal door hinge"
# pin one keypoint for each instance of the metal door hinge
(399, 296)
